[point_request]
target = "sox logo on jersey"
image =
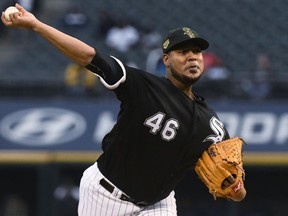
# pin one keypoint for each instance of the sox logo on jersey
(218, 128)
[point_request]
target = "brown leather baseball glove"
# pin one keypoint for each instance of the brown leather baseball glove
(220, 168)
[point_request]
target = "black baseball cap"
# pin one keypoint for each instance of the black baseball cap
(181, 35)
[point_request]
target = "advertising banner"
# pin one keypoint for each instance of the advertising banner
(77, 125)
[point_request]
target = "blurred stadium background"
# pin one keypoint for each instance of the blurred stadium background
(248, 68)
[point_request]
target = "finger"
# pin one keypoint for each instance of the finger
(16, 15)
(231, 179)
(228, 182)
(225, 184)
(19, 7)
(6, 23)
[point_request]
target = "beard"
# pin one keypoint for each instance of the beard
(184, 79)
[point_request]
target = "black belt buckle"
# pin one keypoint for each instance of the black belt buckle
(129, 199)
(142, 204)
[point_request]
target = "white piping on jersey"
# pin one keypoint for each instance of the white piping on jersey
(123, 78)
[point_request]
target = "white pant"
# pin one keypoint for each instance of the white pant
(95, 200)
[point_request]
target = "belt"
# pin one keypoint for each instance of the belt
(109, 187)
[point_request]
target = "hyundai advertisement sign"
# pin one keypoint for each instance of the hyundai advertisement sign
(55, 125)
(81, 124)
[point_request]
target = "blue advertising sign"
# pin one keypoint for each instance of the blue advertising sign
(79, 125)
(55, 125)
(264, 126)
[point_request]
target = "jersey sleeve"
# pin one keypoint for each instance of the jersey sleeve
(109, 69)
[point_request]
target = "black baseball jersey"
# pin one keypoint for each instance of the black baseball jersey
(160, 132)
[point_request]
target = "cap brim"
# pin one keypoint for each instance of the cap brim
(199, 42)
(202, 43)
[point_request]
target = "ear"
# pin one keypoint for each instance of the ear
(165, 59)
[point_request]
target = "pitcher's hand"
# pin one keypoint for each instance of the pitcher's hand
(24, 19)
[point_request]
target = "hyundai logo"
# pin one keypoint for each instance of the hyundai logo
(42, 126)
